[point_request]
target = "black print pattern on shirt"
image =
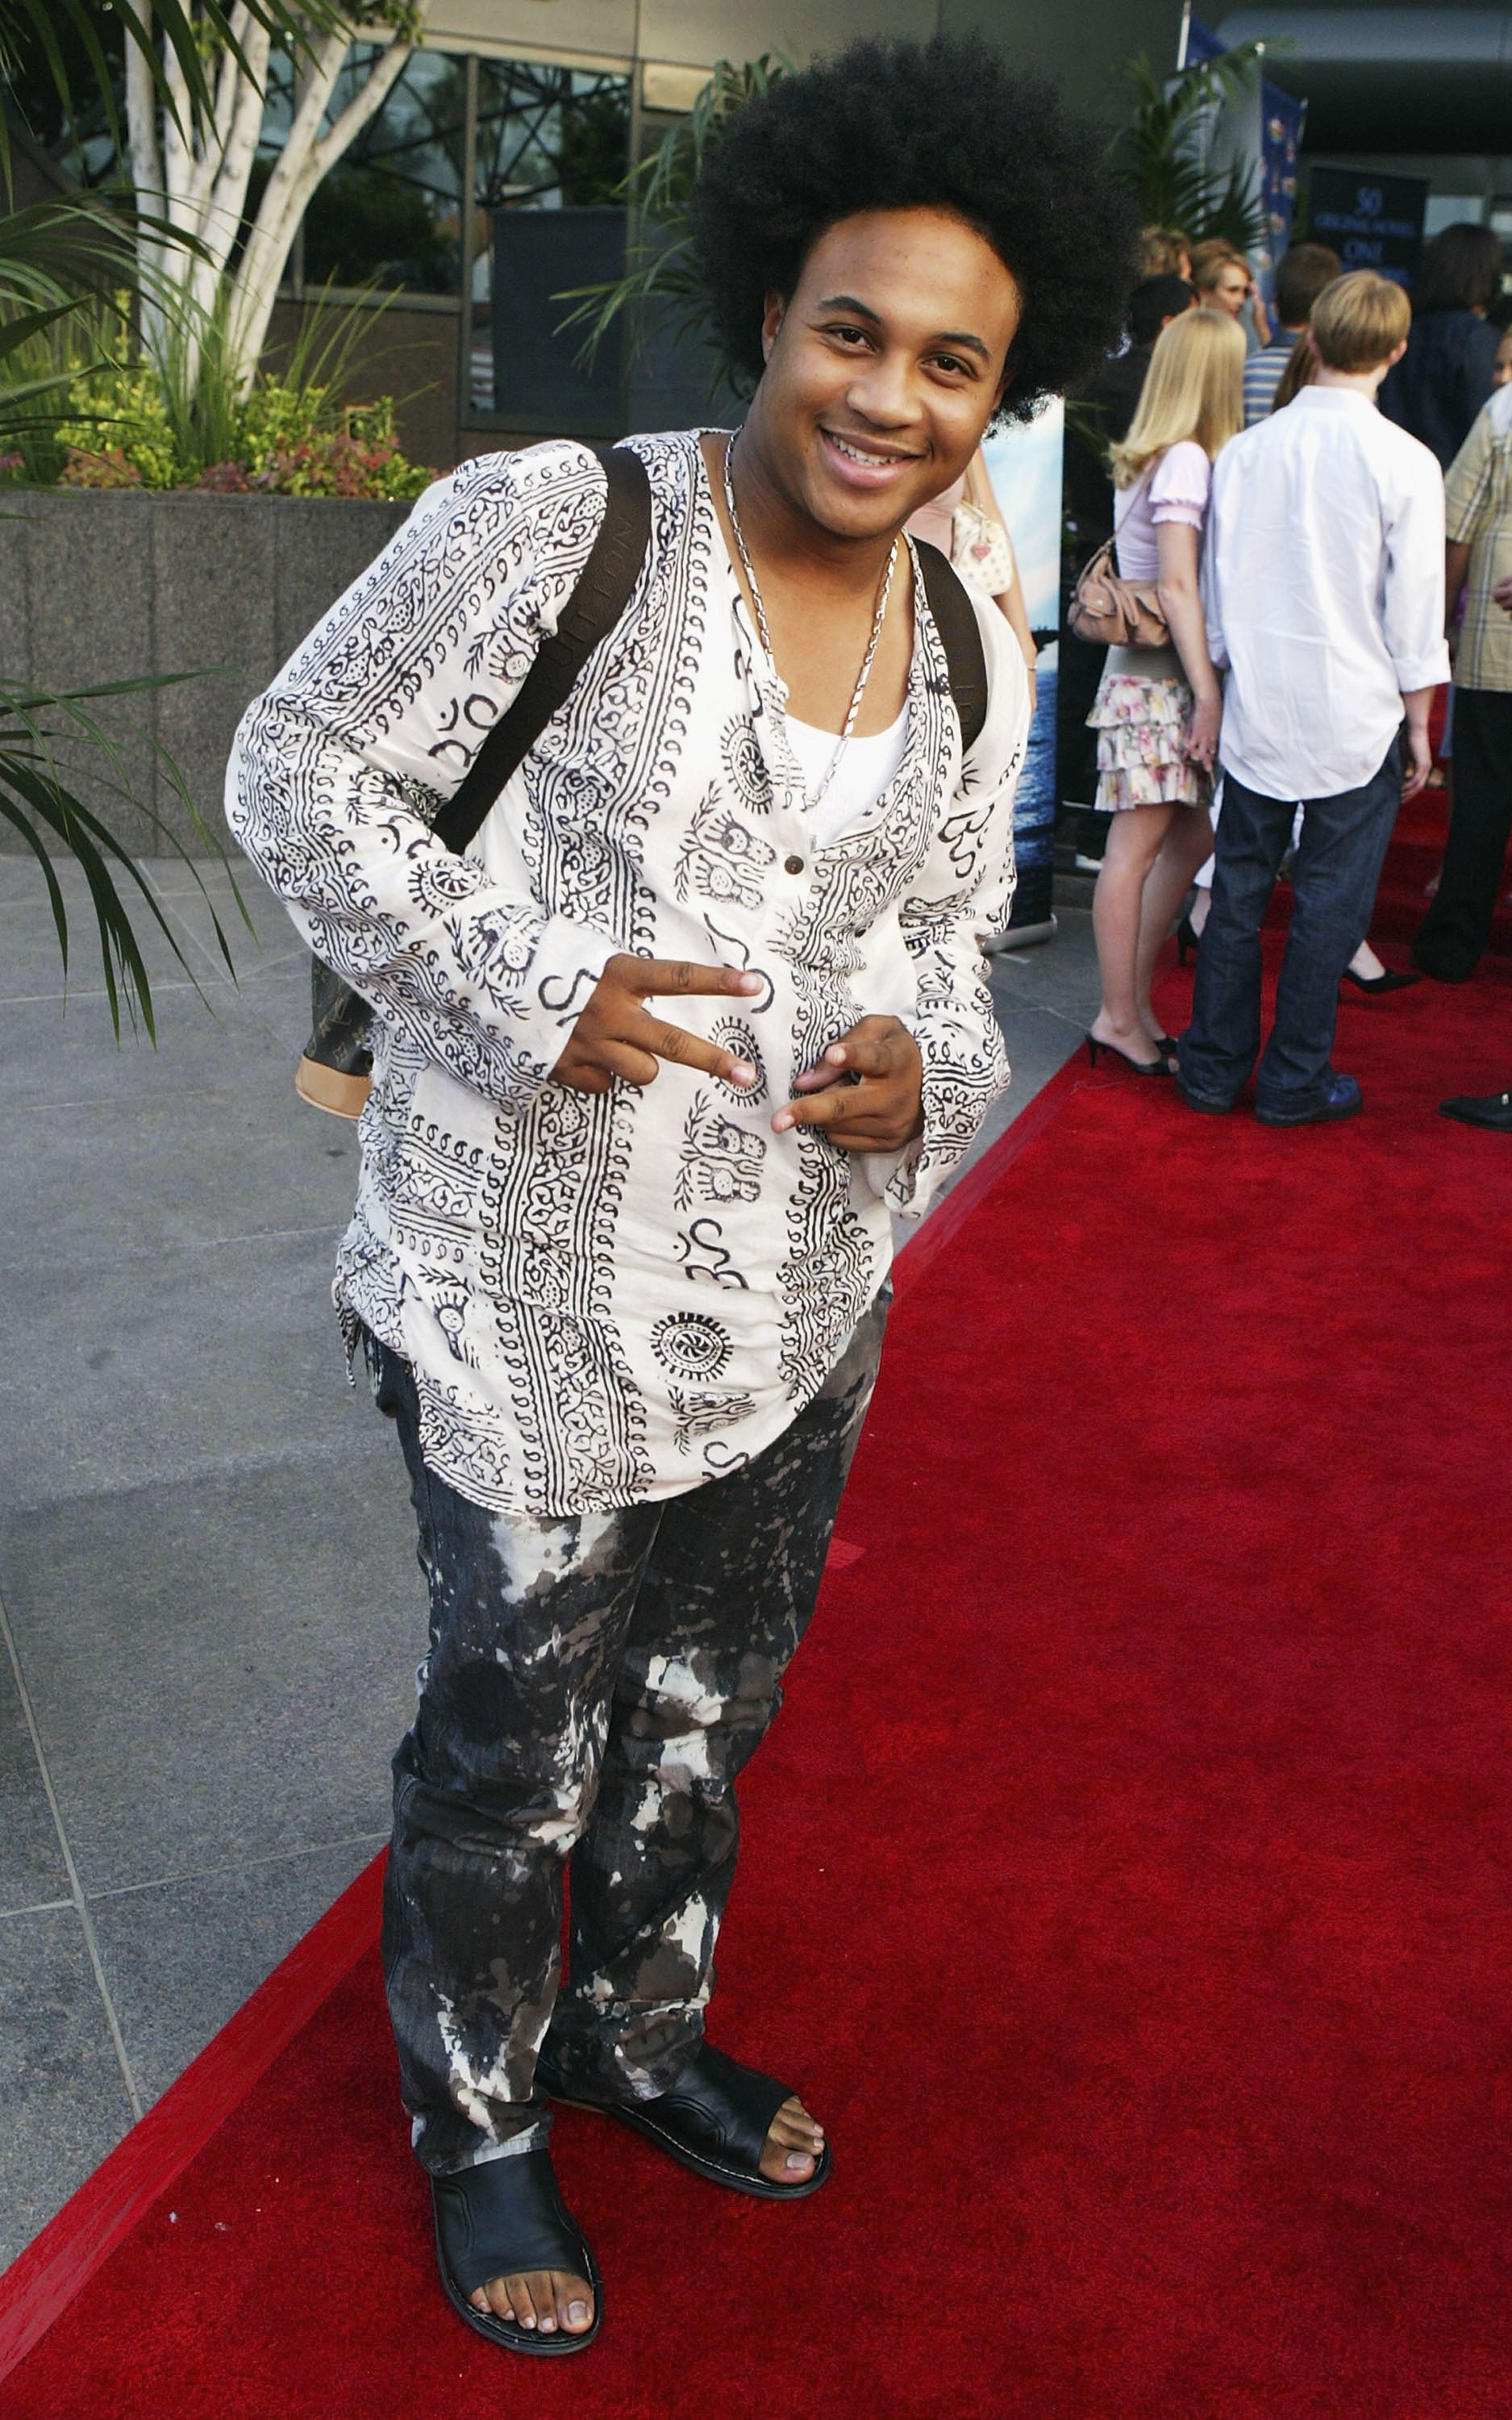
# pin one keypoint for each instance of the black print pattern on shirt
(705, 1257)
(720, 859)
(701, 1412)
(744, 761)
(734, 1034)
(690, 1344)
(720, 1161)
(530, 1250)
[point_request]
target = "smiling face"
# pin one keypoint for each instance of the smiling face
(883, 367)
(1228, 291)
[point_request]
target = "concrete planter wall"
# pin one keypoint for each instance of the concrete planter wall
(101, 587)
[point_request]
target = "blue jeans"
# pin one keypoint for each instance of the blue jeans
(1337, 868)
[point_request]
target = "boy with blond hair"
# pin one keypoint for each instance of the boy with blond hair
(1324, 586)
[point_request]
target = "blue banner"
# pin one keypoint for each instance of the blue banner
(1281, 122)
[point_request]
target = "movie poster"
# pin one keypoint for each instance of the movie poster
(1024, 463)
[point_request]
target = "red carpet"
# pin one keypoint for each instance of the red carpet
(1413, 859)
(1417, 853)
(1127, 1879)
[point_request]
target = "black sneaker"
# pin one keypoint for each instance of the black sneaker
(1342, 1098)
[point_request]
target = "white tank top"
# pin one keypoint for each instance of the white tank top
(861, 776)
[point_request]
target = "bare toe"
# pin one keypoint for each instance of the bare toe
(795, 2141)
(542, 2288)
(507, 2298)
(574, 2302)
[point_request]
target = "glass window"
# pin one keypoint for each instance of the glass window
(389, 212)
(552, 146)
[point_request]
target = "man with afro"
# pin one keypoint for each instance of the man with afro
(619, 1274)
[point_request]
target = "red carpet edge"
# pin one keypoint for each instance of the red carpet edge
(58, 2264)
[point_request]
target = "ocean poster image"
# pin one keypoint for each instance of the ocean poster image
(1024, 463)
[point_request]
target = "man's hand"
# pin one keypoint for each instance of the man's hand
(1419, 760)
(866, 1092)
(1502, 593)
(616, 1036)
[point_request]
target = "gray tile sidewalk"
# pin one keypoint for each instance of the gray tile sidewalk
(210, 1614)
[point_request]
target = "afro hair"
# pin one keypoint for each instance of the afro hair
(948, 125)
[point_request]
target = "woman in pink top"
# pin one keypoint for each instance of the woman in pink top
(1157, 709)
(936, 523)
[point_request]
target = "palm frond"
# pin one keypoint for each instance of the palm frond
(195, 33)
(38, 802)
(1162, 151)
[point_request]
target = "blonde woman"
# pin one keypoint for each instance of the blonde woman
(936, 523)
(1158, 709)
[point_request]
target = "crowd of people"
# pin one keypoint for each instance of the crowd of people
(1280, 493)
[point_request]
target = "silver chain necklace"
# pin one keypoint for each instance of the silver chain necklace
(878, 618)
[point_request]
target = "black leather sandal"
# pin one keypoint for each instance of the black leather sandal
(499, 2221)
(715, 2120)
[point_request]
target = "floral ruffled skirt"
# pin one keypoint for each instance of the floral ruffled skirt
(1140, 762)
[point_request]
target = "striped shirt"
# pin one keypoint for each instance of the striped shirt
(1262, 375)
(1478, 514)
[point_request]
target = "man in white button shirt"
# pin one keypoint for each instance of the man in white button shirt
(1324, 584)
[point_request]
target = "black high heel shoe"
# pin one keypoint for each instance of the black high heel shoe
(1188, 940)
(1388, 980)
(1161, 1066)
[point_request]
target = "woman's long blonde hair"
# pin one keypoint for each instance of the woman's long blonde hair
(1193, 387)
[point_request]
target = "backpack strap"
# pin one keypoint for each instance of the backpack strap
(965, 658)
(595, 605)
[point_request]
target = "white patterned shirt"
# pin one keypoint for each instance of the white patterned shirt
(616, 1296)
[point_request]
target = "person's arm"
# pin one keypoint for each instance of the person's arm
(1415, 706)
(1180, 598)
(1477, 368)
(1010, 605)
(339, 769)
(1412, 614)
(1010, 602)
(1456, 565)
(1467, 503)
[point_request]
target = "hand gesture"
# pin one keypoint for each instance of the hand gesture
(1419, 761)
(1201, 740)
(866, 1092)
(616, 1034)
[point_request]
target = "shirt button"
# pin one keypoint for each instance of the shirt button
(792, 865)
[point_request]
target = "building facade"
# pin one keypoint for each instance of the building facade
(489, 185)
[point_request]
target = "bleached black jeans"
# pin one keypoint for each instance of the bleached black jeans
(592, 1689)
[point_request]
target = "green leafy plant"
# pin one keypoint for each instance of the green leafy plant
(660, 286)
(41, 733)
(55, 259)
(1162, 151)
(130, 424)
